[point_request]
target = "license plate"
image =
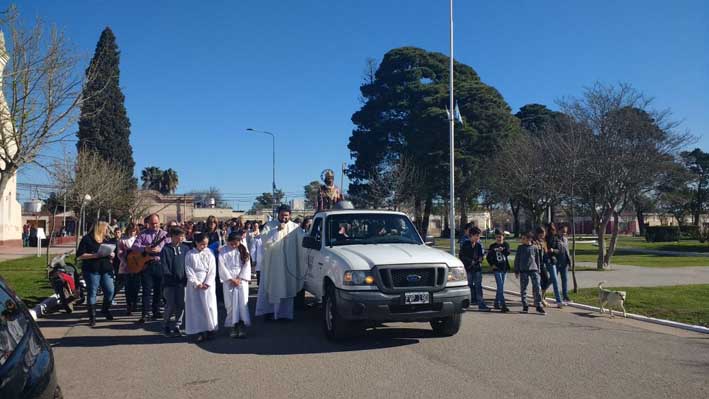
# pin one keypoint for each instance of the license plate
(416, 298)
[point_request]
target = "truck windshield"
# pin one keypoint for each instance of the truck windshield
(363, 228)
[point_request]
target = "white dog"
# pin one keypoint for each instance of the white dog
(610, 298)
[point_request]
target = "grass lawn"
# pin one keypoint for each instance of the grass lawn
(683, 303)
(28, 277)
(680, 246)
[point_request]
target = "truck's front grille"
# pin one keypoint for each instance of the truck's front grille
(401, 278)
(405, 278)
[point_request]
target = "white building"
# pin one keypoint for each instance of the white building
(10, 210)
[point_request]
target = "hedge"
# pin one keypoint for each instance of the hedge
(662, 233)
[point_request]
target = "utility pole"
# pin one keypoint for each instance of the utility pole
(451, 131)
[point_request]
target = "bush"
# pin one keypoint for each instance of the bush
(662, 233)
(690, 232)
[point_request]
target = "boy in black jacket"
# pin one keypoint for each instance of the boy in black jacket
(497, 258)
(174, 280)
(471, 254)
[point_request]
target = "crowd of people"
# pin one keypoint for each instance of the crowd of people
(541, 255)
(183, 263)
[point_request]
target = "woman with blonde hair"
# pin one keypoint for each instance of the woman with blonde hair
(97, 269)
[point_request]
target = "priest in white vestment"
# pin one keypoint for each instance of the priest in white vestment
(282, 274)
(200, 294)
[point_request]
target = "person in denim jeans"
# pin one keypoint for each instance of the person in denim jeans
(98, 271)
(471, 254)
(553, 248)
(564, 261)
(497, 256)
(527, 265)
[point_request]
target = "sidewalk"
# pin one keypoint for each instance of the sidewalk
(626, 276)
(10, 253)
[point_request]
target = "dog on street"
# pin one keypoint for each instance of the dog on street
(611, 299)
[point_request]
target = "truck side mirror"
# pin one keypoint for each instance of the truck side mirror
(430, 241)
(310, 243)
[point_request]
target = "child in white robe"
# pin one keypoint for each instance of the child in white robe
(200, 293)
(235, 274)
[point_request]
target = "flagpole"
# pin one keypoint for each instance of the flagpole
(451, 128)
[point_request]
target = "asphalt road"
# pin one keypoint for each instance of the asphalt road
(567, 353)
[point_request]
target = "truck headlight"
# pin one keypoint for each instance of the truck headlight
(358, 277)
(456, 274)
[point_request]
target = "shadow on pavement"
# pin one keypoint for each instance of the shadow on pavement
(301, 336)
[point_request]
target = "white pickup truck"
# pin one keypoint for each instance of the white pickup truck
(371, 267)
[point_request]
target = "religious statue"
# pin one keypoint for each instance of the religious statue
(329, 193)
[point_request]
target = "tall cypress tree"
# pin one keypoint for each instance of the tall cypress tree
(104, 126)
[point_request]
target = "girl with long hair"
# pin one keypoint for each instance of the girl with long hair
(235, 275)
(97, 269)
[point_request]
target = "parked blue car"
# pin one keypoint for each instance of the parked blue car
(26, 359)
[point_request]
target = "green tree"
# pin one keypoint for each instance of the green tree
(312, 191)
(697, 163)
(168, 181)
(265, 201)
(537, 118)
(151, 177)
(104, 127)
(403, 116)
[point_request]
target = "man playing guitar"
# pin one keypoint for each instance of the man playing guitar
(151, 241)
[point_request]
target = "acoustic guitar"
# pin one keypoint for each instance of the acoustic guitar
(137, 261)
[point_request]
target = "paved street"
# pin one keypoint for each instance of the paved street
(568, 353)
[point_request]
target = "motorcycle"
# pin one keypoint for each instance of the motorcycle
(66, 282)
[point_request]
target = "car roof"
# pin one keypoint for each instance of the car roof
(358, 211)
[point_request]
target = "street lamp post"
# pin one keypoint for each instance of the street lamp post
(273, 183)
(80, 229)
(451, 127)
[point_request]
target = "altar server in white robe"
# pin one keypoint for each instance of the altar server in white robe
(200, 293)
(235, 275)
(282, 274)
(256, 250)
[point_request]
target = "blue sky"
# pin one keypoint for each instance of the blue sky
(196, 74)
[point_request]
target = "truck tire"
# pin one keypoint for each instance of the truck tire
(447, 326)
(335, 328)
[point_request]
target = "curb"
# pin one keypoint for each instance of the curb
(663, 322)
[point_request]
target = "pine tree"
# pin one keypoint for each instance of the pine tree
(104, 126)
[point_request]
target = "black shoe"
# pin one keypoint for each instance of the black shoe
(107, 314)
(200, 337)
(541, 310)
(92, 315)
(166, 332)
(142, 319)
(234, 333)
(505, 309)
(241, 330)
(525, 309)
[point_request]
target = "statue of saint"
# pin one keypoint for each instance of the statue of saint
(329, 193)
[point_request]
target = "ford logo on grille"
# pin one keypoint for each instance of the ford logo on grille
(413, 278)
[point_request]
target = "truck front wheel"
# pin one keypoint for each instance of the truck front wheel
(447, 326)
(334, 326)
